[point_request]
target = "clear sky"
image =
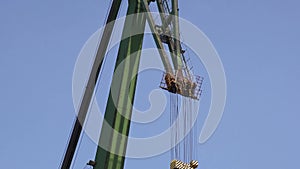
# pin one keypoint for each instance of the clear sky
(258, 43)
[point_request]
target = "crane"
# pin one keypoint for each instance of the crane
(177, 78)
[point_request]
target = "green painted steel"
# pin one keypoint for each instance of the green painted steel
(158, 42)
(175, 10)
(119, 105)
(166, 21)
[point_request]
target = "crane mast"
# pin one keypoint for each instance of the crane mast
(119, 109)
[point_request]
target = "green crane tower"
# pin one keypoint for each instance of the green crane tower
(119, 108)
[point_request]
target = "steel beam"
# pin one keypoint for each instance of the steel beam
(88, 93)
(176, 34)
(116, 125)
(161, 50)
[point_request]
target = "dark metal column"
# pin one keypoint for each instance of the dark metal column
(68, 157)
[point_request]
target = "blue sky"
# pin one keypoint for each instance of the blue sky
(258, 42)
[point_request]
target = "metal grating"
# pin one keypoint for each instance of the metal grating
(196, 92)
